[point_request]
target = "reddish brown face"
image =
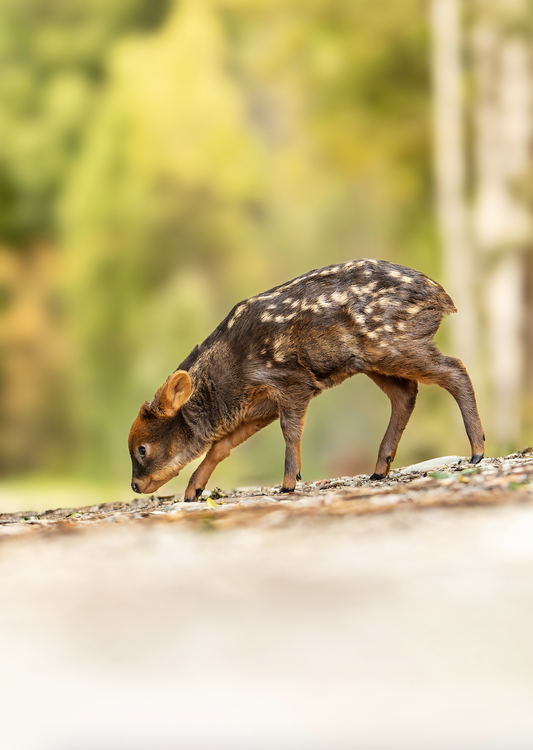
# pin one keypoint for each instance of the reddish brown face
(149, 454)
(156, 451)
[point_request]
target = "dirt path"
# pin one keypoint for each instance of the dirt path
(348, 615)
(437, 483)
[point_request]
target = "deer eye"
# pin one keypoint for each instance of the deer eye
(142, 451)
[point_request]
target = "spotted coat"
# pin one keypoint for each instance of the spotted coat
(277, 350)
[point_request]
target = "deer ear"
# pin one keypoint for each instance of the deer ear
(174, 393)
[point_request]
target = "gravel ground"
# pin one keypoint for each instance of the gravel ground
(350, 614)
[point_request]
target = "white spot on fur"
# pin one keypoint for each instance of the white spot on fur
(340, 297)
(407, 279)
(413, 309)
(239, 311)
(387, 301)
(296, 303)
(287, 301)
(281, 345)
(266, 317)
(272, 295)
(279, 319)
(395, 274)
(322, 302)
(401, 325)
(433, 283)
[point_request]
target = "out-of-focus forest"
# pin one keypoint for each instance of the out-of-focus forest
(161, 160)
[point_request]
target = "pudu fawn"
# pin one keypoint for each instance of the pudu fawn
(274, 352)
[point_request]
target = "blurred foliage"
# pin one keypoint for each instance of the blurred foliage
(161, 160)
(53, 56)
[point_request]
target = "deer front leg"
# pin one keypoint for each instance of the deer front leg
(217, 453)
(292, 425)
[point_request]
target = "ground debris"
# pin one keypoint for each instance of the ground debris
(448, 481)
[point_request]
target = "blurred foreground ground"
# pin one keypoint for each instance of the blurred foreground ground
(349, 615)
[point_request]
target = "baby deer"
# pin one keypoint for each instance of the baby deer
(274, 352)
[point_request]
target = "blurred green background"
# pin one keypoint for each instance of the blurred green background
(160, 161)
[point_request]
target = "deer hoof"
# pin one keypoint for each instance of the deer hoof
(477, 458)
(193, 498)
(287, 489)
(376, 477)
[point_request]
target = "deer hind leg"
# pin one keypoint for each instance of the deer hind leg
(217, 453)
(451, 374)
(402, 394)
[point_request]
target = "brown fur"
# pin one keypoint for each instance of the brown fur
(274, 352)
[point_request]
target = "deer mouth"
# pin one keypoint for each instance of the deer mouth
(145, 487)
(151, 484)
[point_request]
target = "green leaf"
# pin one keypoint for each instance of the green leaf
(439, 474)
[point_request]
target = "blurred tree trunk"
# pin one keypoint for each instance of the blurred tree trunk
(528, 336)
(502, 160)
(450, 176)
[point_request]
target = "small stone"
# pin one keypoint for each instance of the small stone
(434, 463)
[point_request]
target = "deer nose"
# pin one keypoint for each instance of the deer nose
(134, 487)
